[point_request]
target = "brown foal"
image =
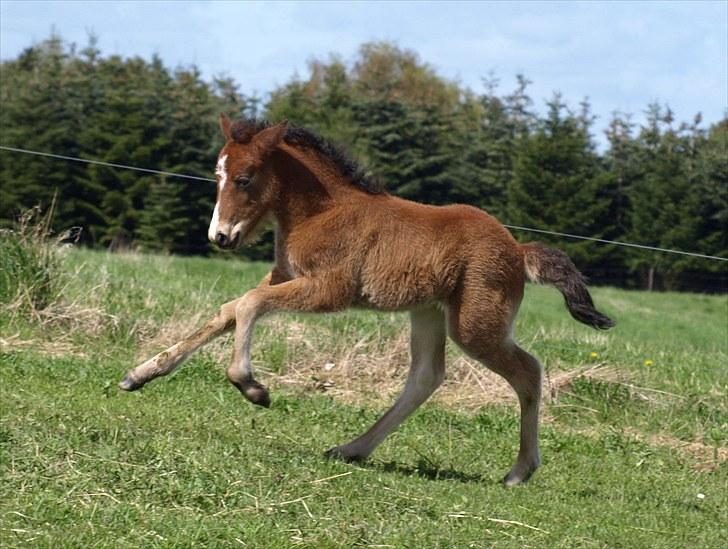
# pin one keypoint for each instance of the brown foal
(340, 242)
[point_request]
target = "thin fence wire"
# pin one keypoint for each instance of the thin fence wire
(107, 164)
(615, 242)
(514, 227)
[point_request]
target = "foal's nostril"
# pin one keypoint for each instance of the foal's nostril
(221, 239)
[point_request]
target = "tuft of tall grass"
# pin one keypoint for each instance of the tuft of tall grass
(31, 272)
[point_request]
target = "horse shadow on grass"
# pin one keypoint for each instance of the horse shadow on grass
(429, 471)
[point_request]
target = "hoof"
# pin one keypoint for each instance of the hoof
(128, 384)
(254, 392)
(514, 477)
(342, 454)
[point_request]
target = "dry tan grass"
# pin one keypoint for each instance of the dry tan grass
(53, 348)
(368, 370)
(92, 320)
(166, 335)
(706, 458)
(365, 370)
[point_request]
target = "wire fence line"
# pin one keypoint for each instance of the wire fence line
(514, 227)
(615, 242)
(107, 164)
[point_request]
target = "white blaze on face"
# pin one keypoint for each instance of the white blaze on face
(221, 172)
(212, 231)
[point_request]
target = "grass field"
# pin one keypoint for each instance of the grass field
(634, 438)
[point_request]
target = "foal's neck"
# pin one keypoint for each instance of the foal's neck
(308, 185)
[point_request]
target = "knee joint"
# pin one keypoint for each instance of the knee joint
(250, 302)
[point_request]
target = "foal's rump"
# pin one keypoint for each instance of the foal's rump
(494, 265)
(505, 261)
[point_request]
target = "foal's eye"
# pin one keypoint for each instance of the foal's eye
(243, 181)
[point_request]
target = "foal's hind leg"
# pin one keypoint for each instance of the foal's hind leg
(427, 346)
(480, 323)
(523, 373)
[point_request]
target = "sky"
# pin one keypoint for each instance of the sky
(621, 55)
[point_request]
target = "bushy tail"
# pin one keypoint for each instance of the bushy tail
(547, 265)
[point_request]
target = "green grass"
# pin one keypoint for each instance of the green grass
(188, 462)
(30, 274)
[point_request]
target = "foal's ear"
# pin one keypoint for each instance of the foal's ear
(225, 125)
(269, 138)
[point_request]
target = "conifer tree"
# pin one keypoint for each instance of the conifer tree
(43, 94)
(557, 183)
(194, 144)
(162, 221)
(663, 201)
(713, 175)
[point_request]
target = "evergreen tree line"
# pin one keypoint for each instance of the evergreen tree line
(659, 183)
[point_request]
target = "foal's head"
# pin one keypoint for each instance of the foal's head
(243, 196)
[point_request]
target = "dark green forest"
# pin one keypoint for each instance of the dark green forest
(661, 183)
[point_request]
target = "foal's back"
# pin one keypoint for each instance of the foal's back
(404, 254)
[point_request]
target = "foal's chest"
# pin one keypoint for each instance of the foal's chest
(283, 262)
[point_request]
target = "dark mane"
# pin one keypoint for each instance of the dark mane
(243, 130)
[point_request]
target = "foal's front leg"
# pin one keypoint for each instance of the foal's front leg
(300, 294)
(167, 361)
(427, 347)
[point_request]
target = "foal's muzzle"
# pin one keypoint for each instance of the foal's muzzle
(224, 241)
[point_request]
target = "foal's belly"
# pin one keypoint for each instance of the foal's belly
(394, 289)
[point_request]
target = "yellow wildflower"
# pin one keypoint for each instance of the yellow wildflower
(648, 362)
(594, 355)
